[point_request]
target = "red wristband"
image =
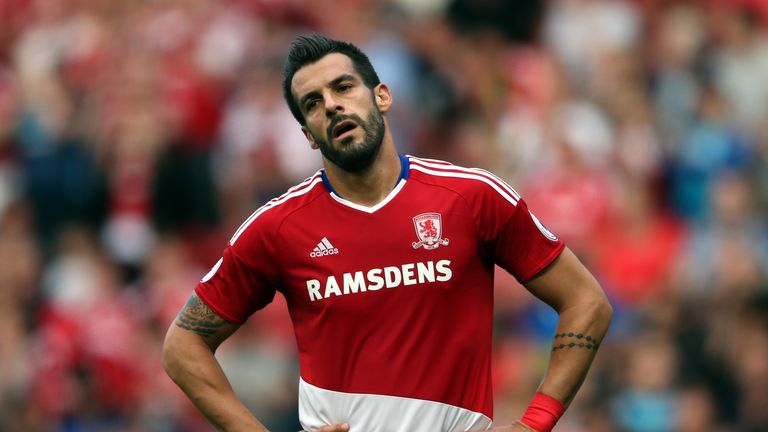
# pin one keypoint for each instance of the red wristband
(543, 412)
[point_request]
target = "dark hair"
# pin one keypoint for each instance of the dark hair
(306, 50)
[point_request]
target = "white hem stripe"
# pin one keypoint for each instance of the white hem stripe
(319, 407)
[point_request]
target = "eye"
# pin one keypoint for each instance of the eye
(344, 88)
(310, 105)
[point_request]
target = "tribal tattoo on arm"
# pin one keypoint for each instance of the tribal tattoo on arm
(197, 317)
(575, 340)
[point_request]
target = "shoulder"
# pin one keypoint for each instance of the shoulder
(471, 183)
(268, 217)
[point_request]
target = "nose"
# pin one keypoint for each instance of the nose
(332, 106)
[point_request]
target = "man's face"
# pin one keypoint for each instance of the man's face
(343, 117)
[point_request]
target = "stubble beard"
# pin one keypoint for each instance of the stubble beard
(348, 155)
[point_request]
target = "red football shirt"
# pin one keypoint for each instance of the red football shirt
(391, 305)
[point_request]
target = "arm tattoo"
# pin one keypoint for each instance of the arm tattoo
(575, 340)
(196, 316)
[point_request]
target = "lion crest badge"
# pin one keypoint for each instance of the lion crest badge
(429, 229)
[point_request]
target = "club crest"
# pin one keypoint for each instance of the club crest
(429, 229)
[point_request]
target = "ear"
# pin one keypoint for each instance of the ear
(382, 96)
(310, 138)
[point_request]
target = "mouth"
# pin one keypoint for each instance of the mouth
(343, 128)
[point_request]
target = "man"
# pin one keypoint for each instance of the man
(386, 263)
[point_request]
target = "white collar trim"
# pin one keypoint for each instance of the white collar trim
(376, 207)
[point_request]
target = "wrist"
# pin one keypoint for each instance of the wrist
(542, 413)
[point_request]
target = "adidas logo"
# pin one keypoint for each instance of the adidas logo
(323, 248)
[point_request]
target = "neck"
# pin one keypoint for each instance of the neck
(371, 185)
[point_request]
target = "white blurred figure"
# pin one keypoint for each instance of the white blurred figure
(741, 65)
(224, 44)
(581, 32)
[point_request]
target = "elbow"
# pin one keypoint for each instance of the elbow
(606, 312)
(182, 351)
(170, 354)
(593, 305)
(601, 311)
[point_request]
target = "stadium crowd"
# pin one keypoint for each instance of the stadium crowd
(135, 137)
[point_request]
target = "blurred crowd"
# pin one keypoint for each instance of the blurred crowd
(135, 137)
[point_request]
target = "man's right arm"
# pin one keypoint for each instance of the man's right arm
(188, 358)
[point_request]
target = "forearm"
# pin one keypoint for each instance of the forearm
(188, 359)
(580, 330)
(584, 315)
(192, 366)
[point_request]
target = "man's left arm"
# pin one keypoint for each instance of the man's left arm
(584, 316)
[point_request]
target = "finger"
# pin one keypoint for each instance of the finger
(343, 427)
(522, 426)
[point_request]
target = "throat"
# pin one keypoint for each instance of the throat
(363, 188)
(368, 187)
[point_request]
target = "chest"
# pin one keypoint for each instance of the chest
(333, 252)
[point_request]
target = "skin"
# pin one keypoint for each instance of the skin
(328, 98)
(569, 288)
(188, 358)
(327, 89)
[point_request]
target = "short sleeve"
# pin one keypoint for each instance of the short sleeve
(243, 280)
(524, 247)
(516, 239)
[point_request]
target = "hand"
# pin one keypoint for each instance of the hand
(516, 427)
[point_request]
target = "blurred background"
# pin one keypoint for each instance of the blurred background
(136, 136)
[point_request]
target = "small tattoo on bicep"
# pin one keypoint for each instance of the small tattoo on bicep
(575, 340)
(196, 316)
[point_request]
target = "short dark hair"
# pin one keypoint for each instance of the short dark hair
(306, 50)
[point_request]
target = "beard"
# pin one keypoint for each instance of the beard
(347, 155)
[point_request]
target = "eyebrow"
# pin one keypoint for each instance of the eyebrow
(333, 83)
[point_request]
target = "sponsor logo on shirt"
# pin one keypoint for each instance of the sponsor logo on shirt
(377, 278)
(324, 248)
(429, 229)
